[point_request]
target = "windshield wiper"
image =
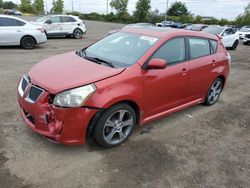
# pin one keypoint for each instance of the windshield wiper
(82, 53)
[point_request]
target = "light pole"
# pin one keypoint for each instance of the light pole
(107, 9)
(166, 10)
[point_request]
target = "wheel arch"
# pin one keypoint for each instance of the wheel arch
(27, 36)
(98, 114)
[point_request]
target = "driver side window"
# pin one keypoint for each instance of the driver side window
(228, 32)
(55, 19)
(173, 51)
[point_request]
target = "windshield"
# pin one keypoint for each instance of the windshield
(42, 19)
(121, 49)
(245, 29)
(214, 30)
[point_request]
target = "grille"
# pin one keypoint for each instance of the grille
(34, 93)
(247, 36)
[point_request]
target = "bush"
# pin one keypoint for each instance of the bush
(1, 11)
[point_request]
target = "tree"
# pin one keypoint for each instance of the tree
(58, 6)
(26, 6)
(178, 9)
(9, 5)
(1, 3)
(120, 6)
(39, 6)
(142, 10)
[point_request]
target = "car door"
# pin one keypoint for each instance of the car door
(228, 37)
(68, 24)
(166, 88)
(11, 31)
(202, 63)
(53, 25)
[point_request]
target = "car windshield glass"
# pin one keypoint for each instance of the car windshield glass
(121, 49)
(245, 29)
(42, 19)
(214, 30)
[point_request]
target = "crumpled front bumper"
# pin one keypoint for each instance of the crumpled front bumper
(61, 125)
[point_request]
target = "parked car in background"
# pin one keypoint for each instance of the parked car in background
(15, 31)
(246, 39)
(165, 24)
(135, 25)
(126, 79)
(243, 31)
(62, 25)
(12, 12)
(229, 37)
(196, 27)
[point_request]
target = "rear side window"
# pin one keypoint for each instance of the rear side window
(9, 22)
(172, 51)
(214, 45)
(199, 47)
(67, 19)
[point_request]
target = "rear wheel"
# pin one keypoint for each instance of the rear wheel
(235, 45)
(28, 42)
(214, 92)
(115, 125)
(77, 34)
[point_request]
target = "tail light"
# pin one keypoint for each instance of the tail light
(41, 29)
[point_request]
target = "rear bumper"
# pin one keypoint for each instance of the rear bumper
(41, 39)
(61, 125)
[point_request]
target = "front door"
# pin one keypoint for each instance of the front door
(166, 88)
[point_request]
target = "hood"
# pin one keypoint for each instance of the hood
(68, 71)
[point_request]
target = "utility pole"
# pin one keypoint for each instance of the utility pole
(107, 10)
(46, 6)
(166, 10)
(72, 3)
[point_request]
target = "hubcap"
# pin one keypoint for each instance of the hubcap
(214, 92)
(118, 127)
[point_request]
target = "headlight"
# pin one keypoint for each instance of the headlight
(74, 97)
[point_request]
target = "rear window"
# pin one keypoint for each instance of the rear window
(214, 45)
(214, 30)
(199, 47)
(8, 22)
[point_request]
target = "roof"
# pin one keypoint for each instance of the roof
(8, 16)
(160, 32)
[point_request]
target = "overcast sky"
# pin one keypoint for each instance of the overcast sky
(218, 8)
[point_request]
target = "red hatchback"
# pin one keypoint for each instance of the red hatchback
(131, 77)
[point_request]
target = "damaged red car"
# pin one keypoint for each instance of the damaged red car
(129, 78)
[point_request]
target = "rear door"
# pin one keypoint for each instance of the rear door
(202, 63)
(11, 31)
(68, 24)
(166, 88)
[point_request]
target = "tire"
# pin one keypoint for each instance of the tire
(214, 92)
(245, 43)
(115, 125)
(28, 42)
(235, 45)
(77, 33)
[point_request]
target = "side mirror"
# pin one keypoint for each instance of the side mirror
(48, 22)
(157, 64)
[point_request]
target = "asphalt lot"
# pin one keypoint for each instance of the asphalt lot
(198, 147)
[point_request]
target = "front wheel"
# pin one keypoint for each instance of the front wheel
(115, 125)
(214, 92)
(77, 34)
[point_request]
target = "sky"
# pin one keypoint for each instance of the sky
(228, 9)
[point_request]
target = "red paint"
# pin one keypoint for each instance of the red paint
(156, 92)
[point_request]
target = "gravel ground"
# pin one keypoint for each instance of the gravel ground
(198, 147)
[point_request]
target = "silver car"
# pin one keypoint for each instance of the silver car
(62, 25)
(18, 32)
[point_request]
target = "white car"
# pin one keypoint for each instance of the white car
(230, 38)
(243, 31)
(246, 39)
(18, 32)
(62, 25)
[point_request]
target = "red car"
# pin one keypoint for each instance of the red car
(131, 77)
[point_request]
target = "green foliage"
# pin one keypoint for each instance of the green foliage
(9, 5)
(27, 7)
(39, 6)
(1, 11)
(142, 10)
(1, 3)
(243, 19)
(120, 6)
(178, 9)
(58, 6)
